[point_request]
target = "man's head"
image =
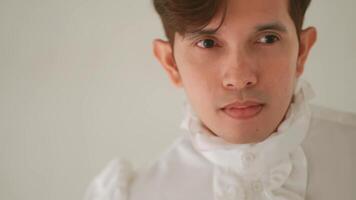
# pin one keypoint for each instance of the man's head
(235, 51)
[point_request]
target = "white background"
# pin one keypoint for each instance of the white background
(79, 86)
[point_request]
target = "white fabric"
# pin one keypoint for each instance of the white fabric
(313, 158)
(112, 183)
(253, 166)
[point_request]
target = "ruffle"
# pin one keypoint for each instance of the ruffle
(112, 183)
(267, 185)
(246, 170)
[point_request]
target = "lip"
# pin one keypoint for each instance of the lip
(242, 111)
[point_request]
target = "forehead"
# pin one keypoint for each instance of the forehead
(244, 13)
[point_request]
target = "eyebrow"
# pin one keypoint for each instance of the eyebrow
(277, 26)
(191, 36)
(272, 26)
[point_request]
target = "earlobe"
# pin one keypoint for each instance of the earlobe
(164, 54)
(308, 38)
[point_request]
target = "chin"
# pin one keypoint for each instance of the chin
(244, 136)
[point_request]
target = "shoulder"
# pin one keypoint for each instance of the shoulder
(330, 149)
(328, 115)
(112, 183)
(173, 167)
(178, 157)
(331, 130)
(333, 122)
(118, 181)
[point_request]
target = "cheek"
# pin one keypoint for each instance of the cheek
(196, 77)
(197, 70)
(200, 82)
(278, 74)
(280, 78)
(201, 59)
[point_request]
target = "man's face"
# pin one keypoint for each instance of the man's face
(253, 58)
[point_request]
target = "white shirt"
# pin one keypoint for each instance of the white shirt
(310, 156)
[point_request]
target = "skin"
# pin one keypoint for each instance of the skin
(250, 58)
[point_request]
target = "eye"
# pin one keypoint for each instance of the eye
(206, 43)
(268, 39)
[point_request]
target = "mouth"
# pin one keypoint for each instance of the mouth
(243, 111)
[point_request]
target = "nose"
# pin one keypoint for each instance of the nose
(239, 73)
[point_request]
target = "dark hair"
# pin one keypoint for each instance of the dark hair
(187, 16)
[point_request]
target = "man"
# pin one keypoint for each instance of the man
(250, 132)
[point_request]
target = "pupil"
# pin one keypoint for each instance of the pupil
(269, 39)
(208, 43)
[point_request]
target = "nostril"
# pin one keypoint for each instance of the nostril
(230, 85)
(236, 84)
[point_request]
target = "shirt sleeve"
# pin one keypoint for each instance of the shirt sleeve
(112, 183)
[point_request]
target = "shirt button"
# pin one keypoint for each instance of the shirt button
(256, 186)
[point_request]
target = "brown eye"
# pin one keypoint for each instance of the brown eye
(268, 39)
(206, 43)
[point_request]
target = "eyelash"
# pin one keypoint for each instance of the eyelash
(201, 40)
(277, 38)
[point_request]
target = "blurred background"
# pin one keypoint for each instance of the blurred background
(79, 86)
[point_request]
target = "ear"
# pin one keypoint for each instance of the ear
(164, 54)
(307, 40)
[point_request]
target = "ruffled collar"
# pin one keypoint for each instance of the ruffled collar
(259, 171)
(288, 136)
